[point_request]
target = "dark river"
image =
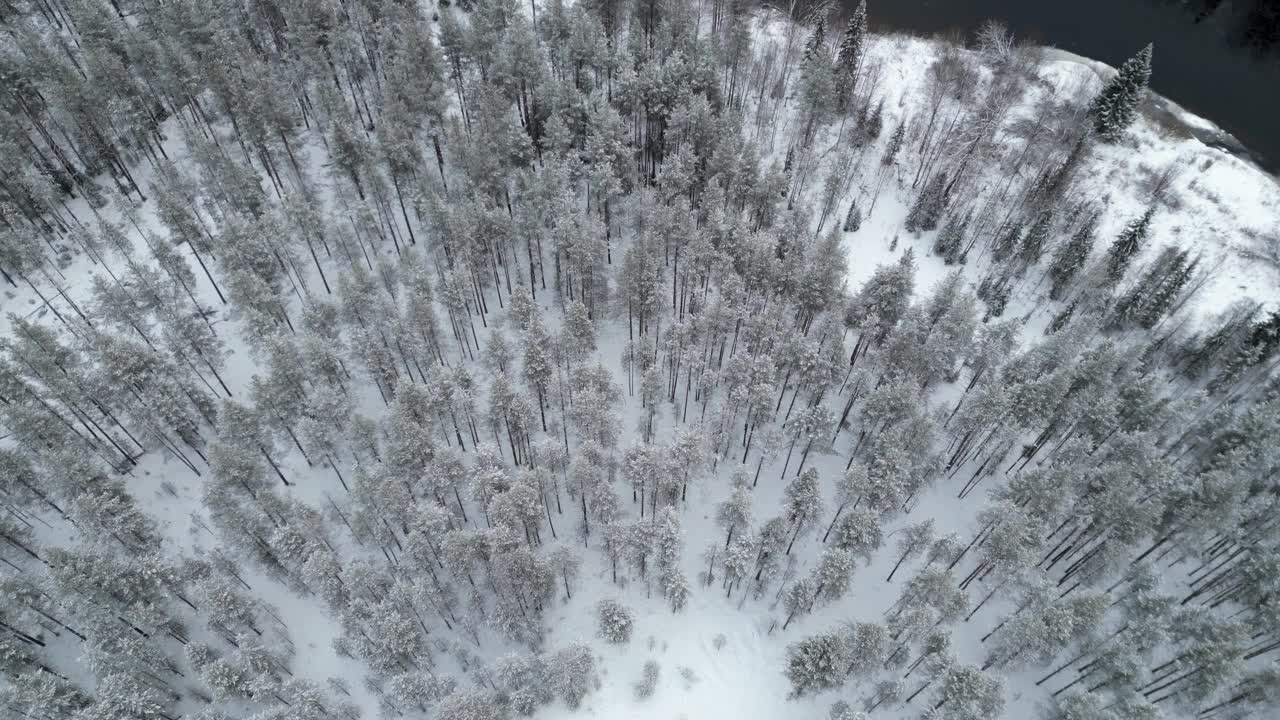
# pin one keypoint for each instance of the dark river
(1199, 61)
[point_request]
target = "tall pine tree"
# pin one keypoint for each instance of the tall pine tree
(1070, 258)
(1114, 108)
(849, 58)
(929, 206)
(816, 40)
(1121, 253)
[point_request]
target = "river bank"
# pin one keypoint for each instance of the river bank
(1195, 67)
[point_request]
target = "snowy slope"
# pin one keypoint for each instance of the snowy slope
(733, 648)
(1218, 205)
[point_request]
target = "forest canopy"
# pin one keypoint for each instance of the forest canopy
(378, 358)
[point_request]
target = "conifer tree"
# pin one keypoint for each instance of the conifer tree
(872, 123)
(816, 663)
(817, 88)
(849, 57)
(929, 206)
(852, 220)
(1115, 107)
(1036, 239)
(950, 240)
(817, 39)
(1127, 245)
(614, 621)
(1070, 258)
(891, 150)
(1148, 300)
(971, 694)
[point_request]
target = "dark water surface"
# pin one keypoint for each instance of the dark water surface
(1195, 64)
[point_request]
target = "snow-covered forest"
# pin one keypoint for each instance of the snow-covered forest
(663, 359)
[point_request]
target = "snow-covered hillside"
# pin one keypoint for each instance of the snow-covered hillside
(656, 360)
(1212, 202)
